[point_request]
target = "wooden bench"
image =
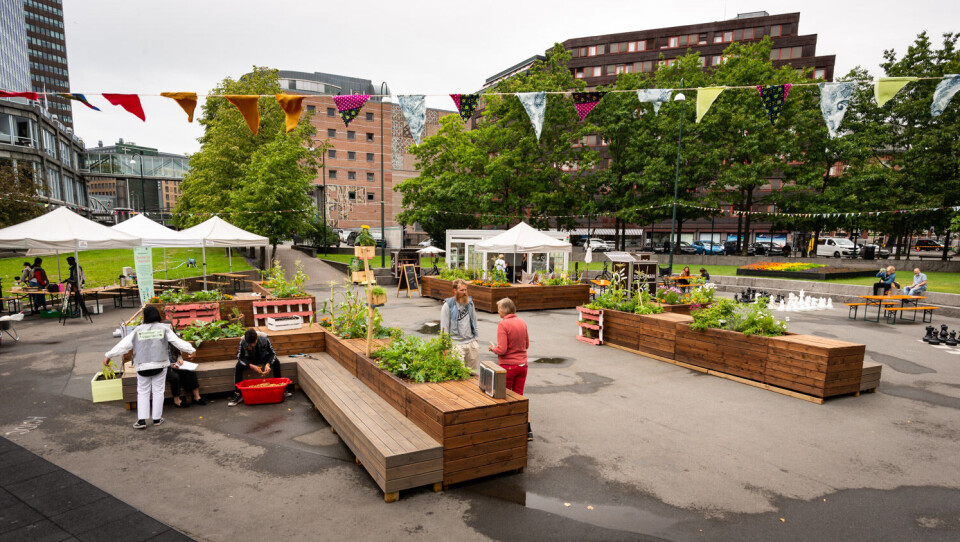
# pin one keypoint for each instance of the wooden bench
(213, 377)
(397, 454)
(893, 311)
(855, 306)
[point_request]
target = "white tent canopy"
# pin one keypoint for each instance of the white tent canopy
(217, 232)
(430, 250)
(523, 238)
(62, 230)
(155, 235)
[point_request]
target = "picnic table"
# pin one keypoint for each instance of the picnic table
(600, 285)
(236, 280)
(907, 302)
(673, 281)
(22, 292)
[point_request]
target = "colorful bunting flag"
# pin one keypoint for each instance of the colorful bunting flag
(249, 108)
(130, 102)
(944, 93)
(292, 107)
(186, 100)
(349, 106)
(773, 98)
(466, 104)
(834, 98)
(80, 98)
(28, 95)
(535, 103)
(705, 98)
(414, 108)
(887, 87)
(584, 102)
(656, 96)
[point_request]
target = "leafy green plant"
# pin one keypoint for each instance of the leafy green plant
(211, 331)
(456, 273)
(378, 290)
(748, 318)
(645, 304)
(108, 371)
(364, 239)
(423, 361)
(615, 297)
(176, 296)
(279, 287)
(348, 318)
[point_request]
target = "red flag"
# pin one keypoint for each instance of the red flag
(130, 102)
(28, 95)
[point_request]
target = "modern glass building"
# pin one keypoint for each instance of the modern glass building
(47, 51)
(14, 61)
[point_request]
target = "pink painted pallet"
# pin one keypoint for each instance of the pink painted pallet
(282, 307)
(182, 316)
(591, 319)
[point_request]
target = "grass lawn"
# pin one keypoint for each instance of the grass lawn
(102, 267)
(374, 263)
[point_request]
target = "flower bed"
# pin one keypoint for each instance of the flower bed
(526, 297)
(797, 270)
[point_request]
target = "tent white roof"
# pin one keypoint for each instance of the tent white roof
(523, 238)
(430, 250)
(153, 234)
(64, 230)
(217, 232)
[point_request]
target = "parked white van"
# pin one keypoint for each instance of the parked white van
(836, 247)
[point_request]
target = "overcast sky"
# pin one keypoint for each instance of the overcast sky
(418, 47)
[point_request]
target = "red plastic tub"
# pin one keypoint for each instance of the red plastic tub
(263, 395)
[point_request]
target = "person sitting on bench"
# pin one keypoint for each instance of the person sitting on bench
(182, 379)
(257, 353)
(919, 283)
(887, 277)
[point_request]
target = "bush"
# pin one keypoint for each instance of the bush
(211, 331)
(423, 361)
(316, 231)
(749, 319)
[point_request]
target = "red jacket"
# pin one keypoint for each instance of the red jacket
(512, 341)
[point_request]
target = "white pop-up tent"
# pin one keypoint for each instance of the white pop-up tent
(217, 232)
(62, 230)
(524, 239)
(153, 234)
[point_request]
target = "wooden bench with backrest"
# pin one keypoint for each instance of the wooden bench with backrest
(892, 313)
(282, 307)
(852, 312)
(397, 454)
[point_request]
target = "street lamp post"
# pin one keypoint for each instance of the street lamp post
(323, 168)
(383, 236)
(676, 182)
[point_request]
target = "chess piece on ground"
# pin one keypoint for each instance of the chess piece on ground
(929, 335)
(952, 341)
(934, 340)
(943, 332)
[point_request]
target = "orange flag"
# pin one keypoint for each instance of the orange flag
(247, 105)
(292, 106)
(186, 100)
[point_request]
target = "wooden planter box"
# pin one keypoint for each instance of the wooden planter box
(106, 390)
(362, 277)
(814, 365)
(258, 288)
(295, 341)
(241, 302)
(527, 298)
(480, 435)
(724, 351)
(678, 309)
(647, 333)
(365, 253)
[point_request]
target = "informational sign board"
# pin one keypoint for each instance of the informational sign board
(143, 265)
(408, 280)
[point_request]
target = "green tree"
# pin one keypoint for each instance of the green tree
(318, 233)
(20, 201)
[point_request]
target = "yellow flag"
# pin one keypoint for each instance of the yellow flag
(186, 100)
(887, 87)
(248, 108)
(292, 107)
(705, 98)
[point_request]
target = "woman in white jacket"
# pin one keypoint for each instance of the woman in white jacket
(149, 342)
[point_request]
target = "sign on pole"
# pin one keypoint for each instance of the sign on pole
(143, 264)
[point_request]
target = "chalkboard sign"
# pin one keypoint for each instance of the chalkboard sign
(408, 280)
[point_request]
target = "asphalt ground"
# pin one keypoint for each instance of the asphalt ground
(626, 447)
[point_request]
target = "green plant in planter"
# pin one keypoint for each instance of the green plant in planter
(348, 318)
(175, 296)
(645, 304)
(747, 318)
(378, 290)
(455, 273)
(364, 239)
(423, 361)
(211, 331)
(615, 298)
(108, 371)
(279, 287)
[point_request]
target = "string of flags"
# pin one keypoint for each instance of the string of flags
(834, 98)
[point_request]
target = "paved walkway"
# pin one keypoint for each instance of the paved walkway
(40, 501)
(319, 272)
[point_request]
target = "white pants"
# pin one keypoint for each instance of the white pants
(146, 384)
(471, 354)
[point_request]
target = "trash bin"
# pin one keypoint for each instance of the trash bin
(869, 252)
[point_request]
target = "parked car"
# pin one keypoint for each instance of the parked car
(708, 247)
(598, 245)
(687, 248)
(927, 245)
(352, 238)
(344, 235)
(878, 250)
(656, 248)
(837, 247)
(730, 248)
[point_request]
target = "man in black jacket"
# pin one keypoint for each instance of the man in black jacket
(257, 353)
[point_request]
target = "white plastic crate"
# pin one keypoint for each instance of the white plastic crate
(281, 323)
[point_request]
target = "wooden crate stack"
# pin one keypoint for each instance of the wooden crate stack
(814, 365)
(870, 376)
(593, 320)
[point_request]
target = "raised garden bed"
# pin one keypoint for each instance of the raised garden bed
(306, 339)
(819, 273)
(644, 333)
(676, 309)
(526, 297)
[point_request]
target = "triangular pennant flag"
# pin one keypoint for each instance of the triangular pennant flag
(834, 98)
(349, 106)
(944, 93)
(535, 103)
(466, 104)
(186, 100)
(28, 95)
(130, 102)
(705, 98)
(584, 102)
(248, 107)
(292, 107)
(773, 98)
(414, 108)
(80, 98)
(887, 87)
(656, 96)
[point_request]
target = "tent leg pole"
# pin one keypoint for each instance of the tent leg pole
(230, 258)
(203, 250)
(57, 253)
(165, 263)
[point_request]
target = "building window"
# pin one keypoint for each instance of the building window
(352, 196)
(370, 196)
(592, 50)
(351, 135)
(371, 177)
(369, 157)
(331, 132)
(311, 109)
(332, 174)
(820, 73)
(611, 69)
(574, 53)
(778, 30)
(369, 116)
(578, 73)
(643, 67)
(717, 59)
(331, 112)
(370, 137)
(673, 42)
(351, 175)
(351, 155)
(597, 71)
(332, 153)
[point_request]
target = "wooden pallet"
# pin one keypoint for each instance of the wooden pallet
(183, 315)
(396, 453)
(870, 377)
(302, 307)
